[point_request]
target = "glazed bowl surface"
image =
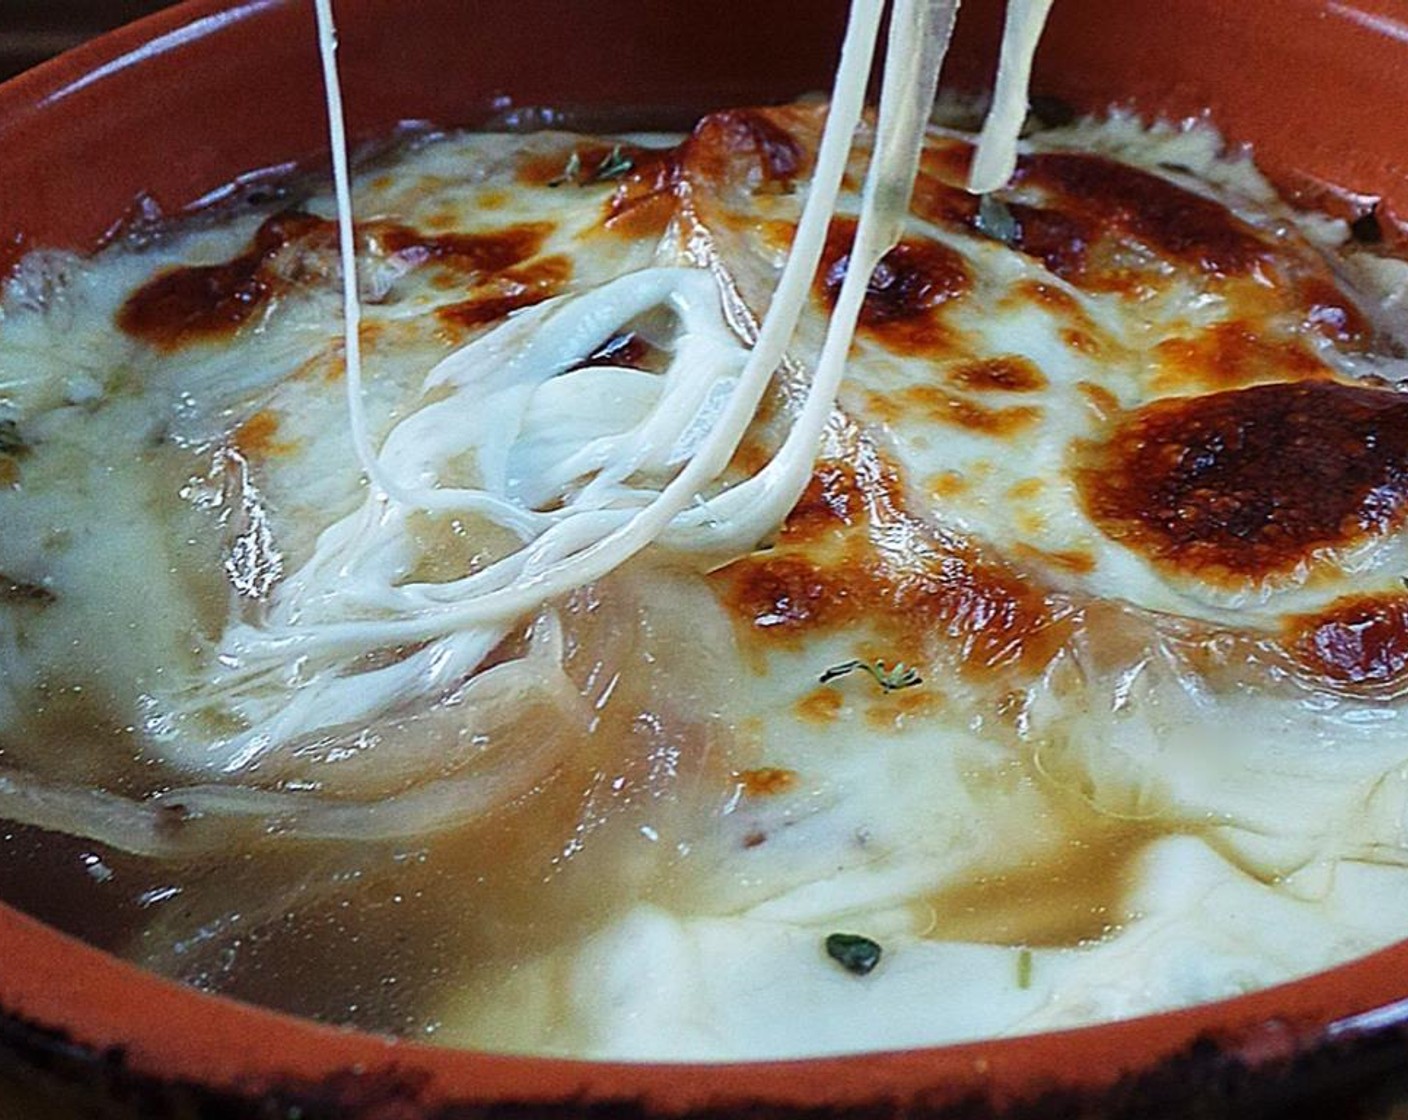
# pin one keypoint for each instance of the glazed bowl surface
(167, 113)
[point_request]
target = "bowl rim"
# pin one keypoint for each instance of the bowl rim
(87, 1000)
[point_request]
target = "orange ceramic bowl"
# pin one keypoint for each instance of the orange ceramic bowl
(171, 110)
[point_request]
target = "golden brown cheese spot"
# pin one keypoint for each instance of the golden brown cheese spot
(948, 162)
(1102, 403)
(767, 781)
(1251, 482)
(820, 705)
(1074, 561)
(893, 711)
(508, 292)
(1176, 223)
(255, 438)
(1049, 297)
(834, 499)
(194, 304)
(1010, 374)
(1231, 354)
(909, 287)
(957, 412)
(1082, 342)
(947, 484)
(854, 557)
(469, 254)
(748, 146)
(1361, 640)
(749, 150)
(202, 303)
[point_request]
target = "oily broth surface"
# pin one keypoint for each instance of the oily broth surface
(1074, 779)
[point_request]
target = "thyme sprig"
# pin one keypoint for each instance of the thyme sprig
(614, 165)
(889, 680)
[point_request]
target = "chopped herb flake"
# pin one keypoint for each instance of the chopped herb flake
(996, 221)
(1024, 969)
(853, 952)
(615, 165)
(890, 680)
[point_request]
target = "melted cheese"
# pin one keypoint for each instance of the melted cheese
(1157, 747)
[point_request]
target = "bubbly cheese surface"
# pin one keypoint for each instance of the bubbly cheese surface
(1118, 468)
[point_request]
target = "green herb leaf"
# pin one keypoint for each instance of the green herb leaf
(614, 166)
(1024, 969)
(890, 680)
(853, 952)
(572, 173)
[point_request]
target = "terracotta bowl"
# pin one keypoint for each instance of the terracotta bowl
(172, 109)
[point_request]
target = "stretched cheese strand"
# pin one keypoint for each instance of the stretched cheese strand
(996, 156)
(920, 32)
(351, 600)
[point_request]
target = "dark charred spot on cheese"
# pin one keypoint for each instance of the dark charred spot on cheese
(644, 200)
(1009, 374)
(1060, 240)
(1176, 223)
(788, 592)
(1078, 214)
(201, 303)
(1253, 482)
(909, 287)
(204, 302)
(471, 254)
(508, 292)
(1232, 354)
(1357, 641)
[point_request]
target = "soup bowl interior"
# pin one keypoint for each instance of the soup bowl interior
(163, 116)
